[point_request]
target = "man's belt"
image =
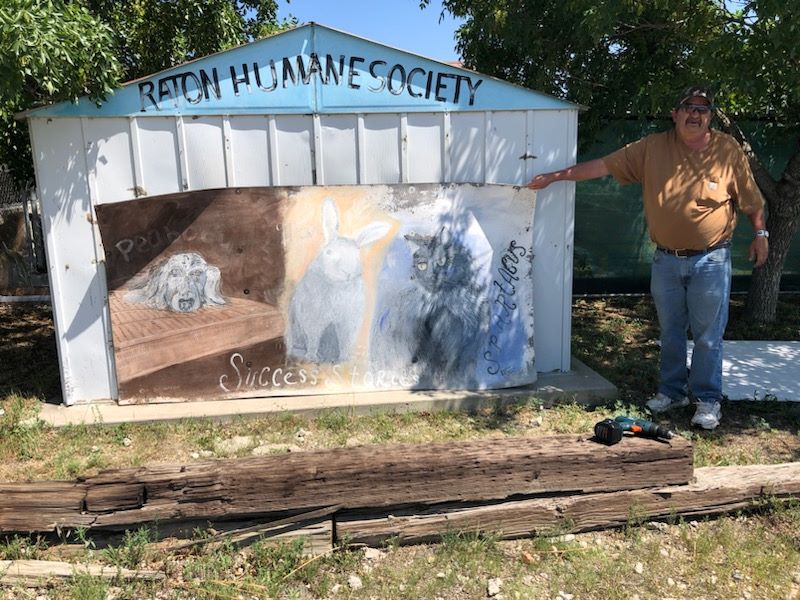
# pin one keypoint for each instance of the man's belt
(684, 253)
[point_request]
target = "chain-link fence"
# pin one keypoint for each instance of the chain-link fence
(620, 263)
(8, 188)
(22, 255)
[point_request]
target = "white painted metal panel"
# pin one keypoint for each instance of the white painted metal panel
(505, 147)
(467, 141)
(205, 152)
(250, 151)
(108, 152)
(158, 155)
(553, 143)
(425, 144)
(570, 133)
(494, 155)
(339, 149)
(77, 283)
(382, 148)
(293, 138)
(447, 171)
(104, 160)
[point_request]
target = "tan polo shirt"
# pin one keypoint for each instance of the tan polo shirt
(689, 196)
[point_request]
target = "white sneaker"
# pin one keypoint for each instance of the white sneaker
(662, 403)
(707, 415)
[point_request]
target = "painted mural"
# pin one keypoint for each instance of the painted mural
(307, 290)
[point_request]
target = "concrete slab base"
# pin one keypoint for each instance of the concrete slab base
(758, 370)
(581, 385)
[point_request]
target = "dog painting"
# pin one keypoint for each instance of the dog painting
(183, 283)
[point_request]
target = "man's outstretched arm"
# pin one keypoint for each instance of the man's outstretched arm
(591, 169)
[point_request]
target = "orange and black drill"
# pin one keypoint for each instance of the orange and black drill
(609, 431)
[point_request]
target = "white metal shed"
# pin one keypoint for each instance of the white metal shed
(310, 106)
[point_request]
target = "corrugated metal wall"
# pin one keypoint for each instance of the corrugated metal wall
(83, 162)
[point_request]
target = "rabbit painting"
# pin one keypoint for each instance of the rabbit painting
(327, 306)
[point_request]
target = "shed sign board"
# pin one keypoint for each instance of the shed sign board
(306, 290)
(309, 69)
(378, 76)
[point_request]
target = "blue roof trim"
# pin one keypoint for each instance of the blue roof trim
(309, 69)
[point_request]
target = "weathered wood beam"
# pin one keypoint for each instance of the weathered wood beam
(305, 525)
(365, 476)
(42, 506)
(716, 490)
(36, 573)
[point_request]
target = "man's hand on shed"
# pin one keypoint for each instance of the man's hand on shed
(541, 181)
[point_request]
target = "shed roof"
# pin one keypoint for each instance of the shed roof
(309, 69)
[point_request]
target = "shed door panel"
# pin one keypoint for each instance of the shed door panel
(382, 148)
(425, 148)
(205, 152)
(505, 143)
(339, 149)
(108, 143)
(250, 150)
(467, 142)
(158, 153)
(293, 140)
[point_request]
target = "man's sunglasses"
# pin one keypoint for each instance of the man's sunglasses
(700, 108)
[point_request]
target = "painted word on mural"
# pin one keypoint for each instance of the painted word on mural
(303, 290)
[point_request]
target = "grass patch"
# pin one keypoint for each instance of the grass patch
(20, 429)
(18, 547)
(272, 565)
(210, 564)
(615, 336)
(86, 587)
(132, 552)
(754, 555)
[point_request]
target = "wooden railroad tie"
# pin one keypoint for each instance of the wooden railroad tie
(512, 487)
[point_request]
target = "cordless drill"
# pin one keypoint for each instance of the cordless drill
(609, 431)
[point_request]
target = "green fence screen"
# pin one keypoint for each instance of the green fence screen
(612, 247)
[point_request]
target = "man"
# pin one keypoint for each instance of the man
(691, 178)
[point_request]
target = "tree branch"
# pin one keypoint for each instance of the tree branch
(631, 28)
(764, 180)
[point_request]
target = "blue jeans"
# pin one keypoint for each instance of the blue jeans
(692, 293)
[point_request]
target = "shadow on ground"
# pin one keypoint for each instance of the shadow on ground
(28, 356)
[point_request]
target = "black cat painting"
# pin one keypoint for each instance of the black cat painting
(434, 327)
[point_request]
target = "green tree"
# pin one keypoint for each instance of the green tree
(48, 51)
(152, 35)
(54, 50)
(628, 57)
